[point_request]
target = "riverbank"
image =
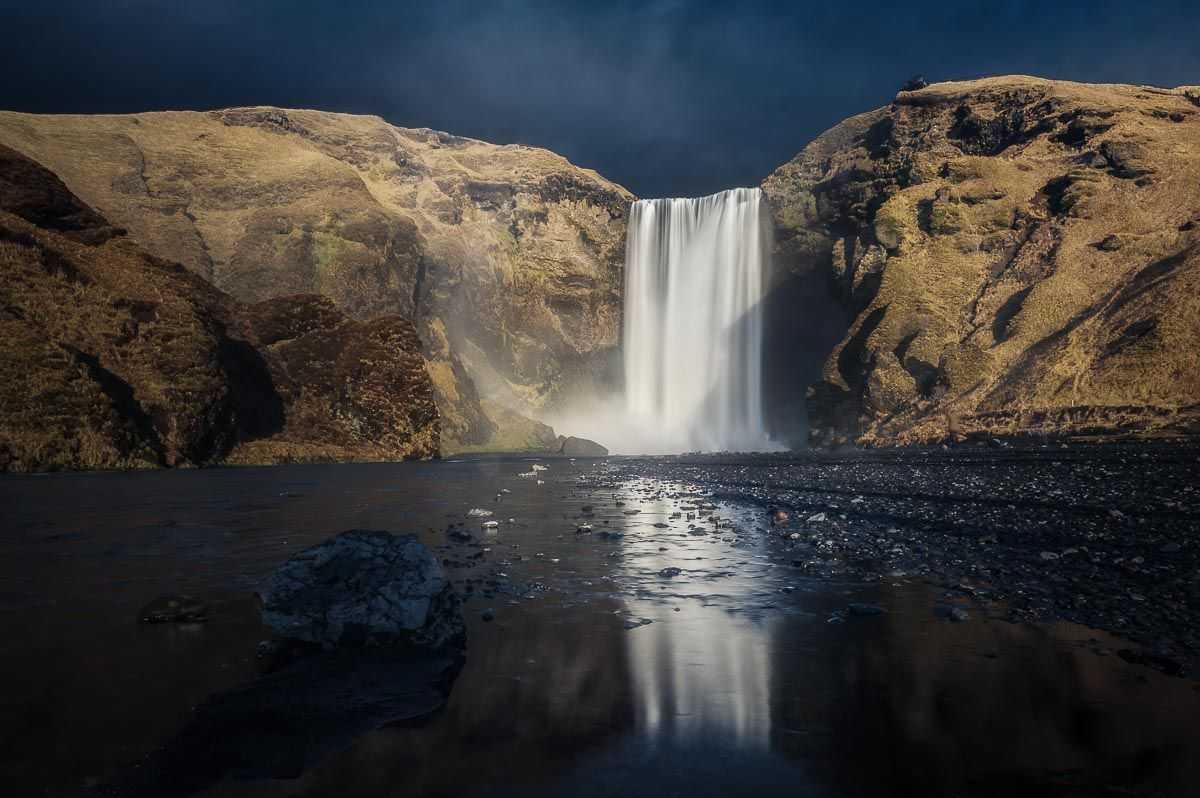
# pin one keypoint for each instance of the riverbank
(1105, 535)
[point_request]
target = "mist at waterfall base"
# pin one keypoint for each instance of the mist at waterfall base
(695, 276)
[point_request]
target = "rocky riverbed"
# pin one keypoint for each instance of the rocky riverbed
(1105, 535)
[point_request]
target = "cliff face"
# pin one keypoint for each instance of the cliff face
(1019, 255)
(507, 258)
(112, 358)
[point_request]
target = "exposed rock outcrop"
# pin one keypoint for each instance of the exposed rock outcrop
(507, 258)
(353, 390)
(112, 358)
(1020, 256)
(364, 588)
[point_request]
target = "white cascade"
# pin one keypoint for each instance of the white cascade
(695, 275)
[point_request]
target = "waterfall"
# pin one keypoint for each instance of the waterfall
(695, 271)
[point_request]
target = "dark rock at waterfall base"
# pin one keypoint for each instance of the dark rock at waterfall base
(363, 588)
(580, 447)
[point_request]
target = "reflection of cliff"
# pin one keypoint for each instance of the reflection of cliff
(532, 699)
(913, 706)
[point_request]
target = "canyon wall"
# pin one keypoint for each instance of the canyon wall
(508, 259)
(113, 358)
(1017, 256)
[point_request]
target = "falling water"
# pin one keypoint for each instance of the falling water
(694, 277)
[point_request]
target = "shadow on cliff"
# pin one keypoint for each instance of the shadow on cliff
(803, 321)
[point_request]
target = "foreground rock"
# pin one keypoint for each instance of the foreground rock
(1018, 256)
(111, 358)
(507, 258)
(364, 588)
(373, 636)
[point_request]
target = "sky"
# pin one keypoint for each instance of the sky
(667, 98)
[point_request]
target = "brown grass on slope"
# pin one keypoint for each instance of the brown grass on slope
(110, 358)
(1023, 256)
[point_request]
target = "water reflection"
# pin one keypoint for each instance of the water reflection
(737, 686)
(983, 708)
(703, 679)
(700, 673)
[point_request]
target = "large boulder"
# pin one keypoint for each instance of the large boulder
(387, 620)
(364, 588)
(580, 447)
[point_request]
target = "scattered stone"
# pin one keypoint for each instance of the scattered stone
(174, 609)
(479, 512)
(671, 571)
(958, 615)
(488, 615)
(267, 648)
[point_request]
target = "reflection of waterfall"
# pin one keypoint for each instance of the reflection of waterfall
(694, 277)
(703, 679)
(702, 674)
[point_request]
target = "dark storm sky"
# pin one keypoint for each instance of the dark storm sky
(667, 98)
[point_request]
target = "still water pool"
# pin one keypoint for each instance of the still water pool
(599, 676)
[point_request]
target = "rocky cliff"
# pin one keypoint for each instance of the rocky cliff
(507, 258)
(1018, 256)
(113, 358)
